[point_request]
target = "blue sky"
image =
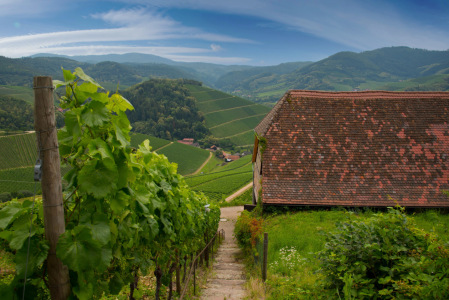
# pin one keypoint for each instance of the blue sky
(262, 32)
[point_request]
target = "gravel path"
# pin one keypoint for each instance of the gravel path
(228, 278)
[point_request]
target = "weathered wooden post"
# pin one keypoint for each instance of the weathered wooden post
(265, 257)
(45, 126)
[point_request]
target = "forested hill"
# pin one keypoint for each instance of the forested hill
(394, 68)
(164, 108)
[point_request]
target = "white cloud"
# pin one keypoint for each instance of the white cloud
(129, 26)
(359, 24)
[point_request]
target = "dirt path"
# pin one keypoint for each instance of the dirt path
(203, 164)
(163, 146)
(228, 279)
(239, 192)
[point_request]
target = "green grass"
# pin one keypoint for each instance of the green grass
(155, 143)
(211, 165)
(304, 231)
(188, 158)
(236, 126)
(224, 180)
(217, 118)
(244, 138)
(19, 92)
(222, 104)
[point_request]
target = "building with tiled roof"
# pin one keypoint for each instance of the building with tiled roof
(372, 148)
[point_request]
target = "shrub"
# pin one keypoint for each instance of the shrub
(247, 229)
(385, 256)
(5, 197)
(24, 194)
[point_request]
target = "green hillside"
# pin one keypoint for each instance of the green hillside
(188, 158)
(393, 68)
(228, 117)
(223, 181)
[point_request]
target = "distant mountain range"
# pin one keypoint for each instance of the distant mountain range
(394, 68)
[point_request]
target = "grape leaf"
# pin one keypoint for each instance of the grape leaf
(95, 114)
(80, 73)
(78, 250)
(9, 213)
(38, 253)
(98, 178)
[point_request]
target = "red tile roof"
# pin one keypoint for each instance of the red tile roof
(357, 149)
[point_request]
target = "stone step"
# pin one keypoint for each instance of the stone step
(228, 266)
(219, 294)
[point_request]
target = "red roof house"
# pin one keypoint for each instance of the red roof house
(371, 148)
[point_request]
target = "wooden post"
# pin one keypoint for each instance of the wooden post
(45, 126)
(265, 257)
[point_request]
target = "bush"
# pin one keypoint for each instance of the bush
(385, 256)
(247, 229)
(24, 194)
(5, 197)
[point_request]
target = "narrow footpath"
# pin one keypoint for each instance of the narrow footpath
(228, 278)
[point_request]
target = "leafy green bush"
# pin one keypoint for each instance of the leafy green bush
(247, 229)
(5, 197)
(385, 256)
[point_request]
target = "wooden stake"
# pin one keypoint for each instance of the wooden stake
(45, 125)
(265, 257)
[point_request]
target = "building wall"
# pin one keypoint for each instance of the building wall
(257, 176)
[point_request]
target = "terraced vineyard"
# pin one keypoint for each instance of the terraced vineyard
(223, 181)
(188, 158)
(229, 116)
(18, 154)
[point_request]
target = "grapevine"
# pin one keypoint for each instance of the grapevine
(126, 210)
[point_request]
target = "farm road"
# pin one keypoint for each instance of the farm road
(228, 279)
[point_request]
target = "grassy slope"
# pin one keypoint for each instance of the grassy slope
(19, 92)
(223, 180)
(303, 231)
(229, 116)
(188, 158)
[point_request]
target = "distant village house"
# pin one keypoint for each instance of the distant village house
(371, 148)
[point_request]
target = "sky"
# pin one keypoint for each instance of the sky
(242, 32)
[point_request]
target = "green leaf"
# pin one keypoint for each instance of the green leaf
(116, 284)
(119, 103)
(95, 114)
(21, 232)
(80, 73)
(68, 76)
(85, 287)
(9, 213)
(119, 202)
(38, 253)
(101, 231)
(72, 125)
(100, 149)
(98, 178)
(78, 250)
(58, 84)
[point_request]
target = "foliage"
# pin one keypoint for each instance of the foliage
(15, 114)
(385, 256)
(248, 228)
(5, 197)
(126, 210)
(165, 109)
